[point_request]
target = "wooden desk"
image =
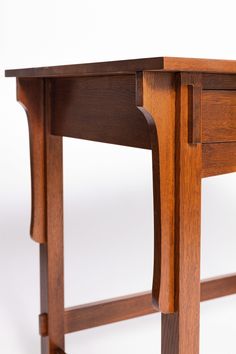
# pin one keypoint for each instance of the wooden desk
(184, 110)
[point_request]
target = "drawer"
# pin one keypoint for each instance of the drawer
(218, 116)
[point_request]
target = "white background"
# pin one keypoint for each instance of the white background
(108, 191)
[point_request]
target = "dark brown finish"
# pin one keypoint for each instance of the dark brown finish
(129, 67)
(194, 101)
(59, 351)
(47, 221)
(100, 109)
(218, 116)
(27, 90)
(184, 111)
(51, 253)
(43, 325)
(218, 82)
(194, 109)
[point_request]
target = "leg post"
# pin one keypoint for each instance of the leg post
(51, 252)
(180, 330)
(47, 206)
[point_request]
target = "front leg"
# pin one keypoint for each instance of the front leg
(167, 98)
(180, 331)
(47, 207)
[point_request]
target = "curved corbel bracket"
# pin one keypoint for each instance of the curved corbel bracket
(30, 94)
(156, 286)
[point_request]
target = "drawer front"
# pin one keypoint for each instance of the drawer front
(218, 116)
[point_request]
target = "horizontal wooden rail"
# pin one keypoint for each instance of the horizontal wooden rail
(109, 311)
(214, 288)
(127, 307)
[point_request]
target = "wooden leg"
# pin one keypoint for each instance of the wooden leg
(180, 331)
(176, 290)
(47, 206)
(172, 105)
(51, 253)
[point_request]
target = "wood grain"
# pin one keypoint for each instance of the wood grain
(136, 305)
(163, 113)
(109, 311)
(218, 82)
(218, 116)
(183, 325)
(219, 158)
(129, 67)
(216, 287)
(30, 94)
(51, 253)
(195, 109)
(104, 312)
(99, 109)
(159, 101)
(157, 267)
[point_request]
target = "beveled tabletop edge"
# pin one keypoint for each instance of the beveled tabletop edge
(129, 67)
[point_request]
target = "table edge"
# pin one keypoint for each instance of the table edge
(131, 66)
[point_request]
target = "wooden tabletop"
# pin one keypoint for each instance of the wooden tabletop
(129, 67)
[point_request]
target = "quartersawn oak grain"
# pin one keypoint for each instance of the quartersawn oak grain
(218, 159)
(99, 109)
(149, 103)
(218, 116)
(180, 330)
